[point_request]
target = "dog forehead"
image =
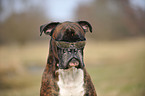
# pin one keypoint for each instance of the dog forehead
(68, 28)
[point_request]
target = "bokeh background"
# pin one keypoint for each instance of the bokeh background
(114, 54)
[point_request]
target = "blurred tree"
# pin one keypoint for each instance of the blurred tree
(22, 27)
(113, 19)
(134, 19)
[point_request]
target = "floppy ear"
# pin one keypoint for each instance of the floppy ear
(47, 28)
(85, 25)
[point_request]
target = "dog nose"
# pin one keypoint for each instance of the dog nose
(73, 63)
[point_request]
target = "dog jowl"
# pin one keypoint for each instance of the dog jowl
(65, 73)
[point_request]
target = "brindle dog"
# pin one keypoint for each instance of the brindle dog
(65, 73)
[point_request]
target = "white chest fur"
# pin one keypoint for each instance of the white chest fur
(71, 82)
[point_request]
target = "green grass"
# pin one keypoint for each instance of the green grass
(116, 68)
(117, 80)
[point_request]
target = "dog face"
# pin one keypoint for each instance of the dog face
(68, 40)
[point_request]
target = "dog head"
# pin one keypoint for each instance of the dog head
(67, 42)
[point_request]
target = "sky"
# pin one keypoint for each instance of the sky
(138, 3)
(64, 9)
(56, 10)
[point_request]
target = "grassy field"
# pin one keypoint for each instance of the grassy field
(117, 68)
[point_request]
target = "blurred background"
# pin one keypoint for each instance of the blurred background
(114, 54)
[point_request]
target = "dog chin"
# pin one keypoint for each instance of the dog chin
(70, 66)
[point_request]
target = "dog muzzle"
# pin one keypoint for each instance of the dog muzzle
(70, 54)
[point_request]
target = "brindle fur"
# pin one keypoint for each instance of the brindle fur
(49, 85)
(50, 77)
(90, 90)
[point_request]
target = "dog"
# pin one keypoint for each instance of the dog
(65, 73)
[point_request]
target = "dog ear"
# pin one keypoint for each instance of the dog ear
(85, 25)
(47, 28)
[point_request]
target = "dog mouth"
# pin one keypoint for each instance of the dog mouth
(70, 57)
(72, 63)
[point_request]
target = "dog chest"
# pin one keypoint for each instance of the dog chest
(71, 82)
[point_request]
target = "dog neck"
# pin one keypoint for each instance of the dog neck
(71, 82)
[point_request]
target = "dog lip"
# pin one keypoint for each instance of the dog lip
(73, 62)
(70, 58)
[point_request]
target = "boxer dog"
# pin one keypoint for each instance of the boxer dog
(65, 73)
